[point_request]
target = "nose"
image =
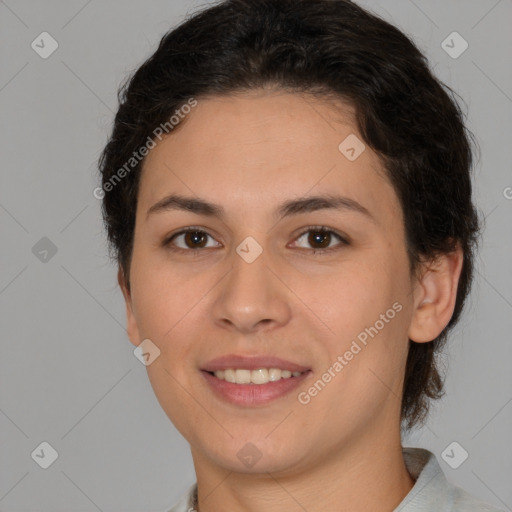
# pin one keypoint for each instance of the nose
(251, 298)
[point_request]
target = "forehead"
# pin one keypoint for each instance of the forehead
(266, 146)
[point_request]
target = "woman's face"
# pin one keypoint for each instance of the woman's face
(248, 283)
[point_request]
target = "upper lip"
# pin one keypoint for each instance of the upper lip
(251, 363)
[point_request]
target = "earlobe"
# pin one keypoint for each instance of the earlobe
(436, 296)
(131, 323)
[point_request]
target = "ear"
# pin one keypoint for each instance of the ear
(435, 296)
(131, 323)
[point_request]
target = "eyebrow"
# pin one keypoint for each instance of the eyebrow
(288, 208)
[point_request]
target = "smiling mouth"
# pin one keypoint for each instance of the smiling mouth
(257, 377)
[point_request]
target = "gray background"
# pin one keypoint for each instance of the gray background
(68, 375)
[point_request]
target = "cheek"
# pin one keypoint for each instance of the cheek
(163, 300)
(171, 305)
(161, 294)
(352, 295)
(366, 307)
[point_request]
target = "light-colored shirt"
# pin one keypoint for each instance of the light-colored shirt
(431, 492)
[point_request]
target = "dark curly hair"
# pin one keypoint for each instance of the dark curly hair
(331, 49)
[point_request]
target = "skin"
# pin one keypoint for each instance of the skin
(249, 153)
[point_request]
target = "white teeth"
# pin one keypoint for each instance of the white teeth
(242, 376)
(259, 376)
(229, 375)
(274, 374)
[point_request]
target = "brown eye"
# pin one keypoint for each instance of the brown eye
(194, 239)
(320, 240)
(189, 239)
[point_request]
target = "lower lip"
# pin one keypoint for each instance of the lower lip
(253, 394)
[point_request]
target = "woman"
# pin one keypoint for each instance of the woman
(287, 192)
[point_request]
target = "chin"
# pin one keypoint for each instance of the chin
(253, 457)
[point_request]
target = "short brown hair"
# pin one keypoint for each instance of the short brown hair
(327, 47)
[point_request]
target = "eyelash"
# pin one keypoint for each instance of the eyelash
(320, 229)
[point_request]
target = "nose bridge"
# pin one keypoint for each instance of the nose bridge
(250, 295)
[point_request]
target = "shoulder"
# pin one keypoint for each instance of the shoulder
(432, 490)
(463, 501)
(186, 503)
